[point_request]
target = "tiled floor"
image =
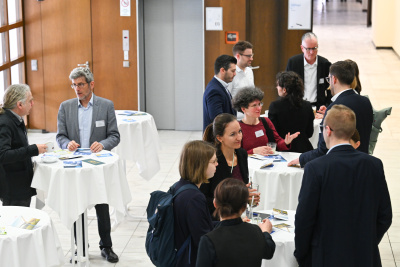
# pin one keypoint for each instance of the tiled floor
(380, 76)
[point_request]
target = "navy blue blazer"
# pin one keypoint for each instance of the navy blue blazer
(216, 100)
(364, 116)
(344, 210)
(296, 64)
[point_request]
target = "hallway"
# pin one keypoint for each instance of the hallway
(342, 32)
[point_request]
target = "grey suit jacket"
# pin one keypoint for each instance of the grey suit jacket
(68, 123)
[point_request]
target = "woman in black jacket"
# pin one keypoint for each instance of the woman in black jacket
(291, 113)
(226, 134)
(234, 242)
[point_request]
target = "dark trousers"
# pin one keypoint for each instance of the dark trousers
(103, 225)
(22, 203)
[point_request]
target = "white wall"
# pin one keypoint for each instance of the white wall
(383, 16)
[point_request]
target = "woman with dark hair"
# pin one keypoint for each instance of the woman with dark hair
(197, 164)
(258, 131)
(225, 133)
(291, 113)
(234, 242)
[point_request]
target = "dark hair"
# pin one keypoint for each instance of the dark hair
(245, 96)
(217, 128)
(343, 71)
(194, 161)
(357, 85)
(240, 46)
(231, 196)
(293, 84)
(356, 136)
(223, 61)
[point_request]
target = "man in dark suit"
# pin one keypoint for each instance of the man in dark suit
(340, 77)
(16, 169)
(89, 122)
(344, 204)
(217, 99)
(312, 69)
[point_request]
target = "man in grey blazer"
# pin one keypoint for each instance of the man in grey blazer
(89, 122)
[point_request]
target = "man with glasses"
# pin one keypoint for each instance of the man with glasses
(216, 98)
(89, 122)
(344, 205)
(341, 76)
(243, 52)
(312, 69)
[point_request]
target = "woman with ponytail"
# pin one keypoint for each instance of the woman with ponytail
(234, 242)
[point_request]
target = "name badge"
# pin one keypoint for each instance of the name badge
(100, 123)
(321, 81)
(259, 133)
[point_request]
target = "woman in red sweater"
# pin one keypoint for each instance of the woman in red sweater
(258, 131)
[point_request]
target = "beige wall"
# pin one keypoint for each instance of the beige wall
(386, 24)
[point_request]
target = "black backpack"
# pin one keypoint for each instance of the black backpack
(160, 241)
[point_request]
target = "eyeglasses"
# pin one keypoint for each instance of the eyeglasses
(257, 105)
(311, 48)
(249, 56)
(321, 127)
(328, 79)
(215, 161)
(80, 85)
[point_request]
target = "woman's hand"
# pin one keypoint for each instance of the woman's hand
(322, 110)
(289, 138)
(266, 226)
(253, 192)
(263, 150)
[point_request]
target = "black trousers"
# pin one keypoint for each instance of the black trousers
(21, 203)
(103, 225)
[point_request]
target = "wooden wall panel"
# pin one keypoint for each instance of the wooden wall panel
(234, 19)
(112, 80)
(33, 37)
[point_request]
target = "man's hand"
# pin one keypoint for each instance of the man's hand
(294, 162)
(96, 147)
(266, 226)
(42, 148)
(72, 146)
(322, 110)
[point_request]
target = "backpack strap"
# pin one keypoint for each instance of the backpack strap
(268, 131)
(183, 188)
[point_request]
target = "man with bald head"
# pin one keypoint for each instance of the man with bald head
(313, 69)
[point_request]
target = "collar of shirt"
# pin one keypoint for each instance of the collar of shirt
(224, 84)
(344, 144)
(90, 102)
(16, 115)
(306, 63)
(333, 99)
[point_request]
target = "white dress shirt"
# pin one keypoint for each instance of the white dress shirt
(310, 81)
(242, 79)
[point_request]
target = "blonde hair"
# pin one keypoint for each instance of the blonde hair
(14, 93)
(194, 161)
(342, 121)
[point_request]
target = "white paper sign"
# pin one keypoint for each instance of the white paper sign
(299, 15)
(125, 8)
(214, 19)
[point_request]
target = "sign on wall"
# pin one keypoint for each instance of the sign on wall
(214, 19)
(125, 8)
(299, 17)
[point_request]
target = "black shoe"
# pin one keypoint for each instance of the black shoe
(109, 254)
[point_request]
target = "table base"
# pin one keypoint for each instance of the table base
(82, 244)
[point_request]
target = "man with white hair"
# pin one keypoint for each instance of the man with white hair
(16, 169)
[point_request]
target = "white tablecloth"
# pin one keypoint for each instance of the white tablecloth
(315, 136)
(139, 142)
(34, 248)
(279, 185)
(283, 256)
(70, 191)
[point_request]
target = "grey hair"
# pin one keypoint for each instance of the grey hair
(309, 35)
(14, 93)
(245, 96)
(81, 72)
